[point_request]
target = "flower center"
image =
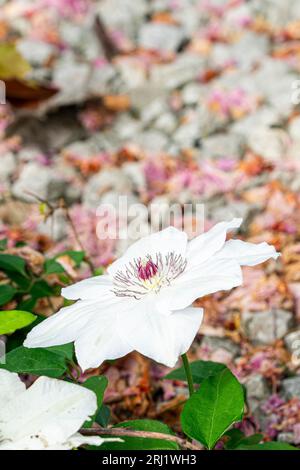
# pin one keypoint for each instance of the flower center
(142, 276)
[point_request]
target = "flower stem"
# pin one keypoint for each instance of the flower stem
(188, 373)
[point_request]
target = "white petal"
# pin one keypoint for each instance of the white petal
(100, 340)
(51, 409)
(10, 386)
(196, 282)
(78, 440)
(63, 327)
(165, 241)
(203, 247)
(247, 254)
(98, 288)
(161, 337)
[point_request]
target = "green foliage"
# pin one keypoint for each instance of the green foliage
(12, 264)
(237, 438)
(213, 408)
(7, 292)
(24, 286)
(37, 361)
(12, 320)
(98, 386)
(201, 370)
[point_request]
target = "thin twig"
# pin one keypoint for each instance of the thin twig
(143, 434)
(62, 205)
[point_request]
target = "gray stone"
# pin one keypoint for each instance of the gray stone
(39, 180)
(160, 36)
(294, 128)
(192, 93)
(7, 166)
(292, 341)
(72, 79)
(183, 70)
(167, 123)
(291, 387)
(113, 181)
(232, 210)
(213, 343)
(36, 52)
(272, 144)
(55, 227)
(257, 390)
(220, 145)
(266, 327)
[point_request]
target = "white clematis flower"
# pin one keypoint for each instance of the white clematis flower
(143, 303)
(46, 416)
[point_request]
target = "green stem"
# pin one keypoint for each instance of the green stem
(188, 373)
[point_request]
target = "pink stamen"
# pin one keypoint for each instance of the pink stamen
(147, 271)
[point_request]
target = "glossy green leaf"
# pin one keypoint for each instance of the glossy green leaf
(3, 244)
(201, 370)
(53, 267)
(237, 438)
(36, 361)
(211, 410)
(103, 416)
(65, 350)
(7, 293)
(12, 320)
(12, 263)
(98, 386)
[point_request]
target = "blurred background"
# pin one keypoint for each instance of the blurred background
(164, 101)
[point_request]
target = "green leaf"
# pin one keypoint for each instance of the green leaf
(76, 256)
(213, 408)
(12, 64)
(98, 386)
(53, 267)
(268, 446)
(12, 263)
(141, 443)
(41, 289)
(3, 244)
(12, 320)
(36, 361)
(201, 370)
(65, 350)
(103, 416)
(237, 438)
(7, 292)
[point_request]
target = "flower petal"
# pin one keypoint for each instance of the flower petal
(204, 246)
(161, 337)
(196, 282)
(51, 409)
(10, 386)
(168, 240)
(247, 254)
(100, 340)
(97, 287)
(63, 327)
